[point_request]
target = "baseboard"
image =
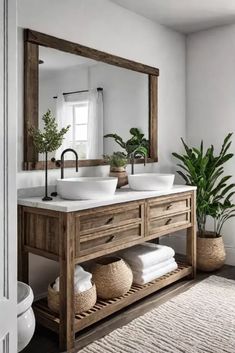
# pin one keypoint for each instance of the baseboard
(230, 255)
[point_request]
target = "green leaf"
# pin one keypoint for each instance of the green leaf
(137, 144)
(205, 170)
(49, 139)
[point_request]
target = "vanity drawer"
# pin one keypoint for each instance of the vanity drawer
(109, 217)
(168, 207)
(166, 223)
(95, 242)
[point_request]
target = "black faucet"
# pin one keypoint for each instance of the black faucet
(62, 160)
(132, 160)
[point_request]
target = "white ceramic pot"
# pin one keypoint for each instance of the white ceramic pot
(25, 315)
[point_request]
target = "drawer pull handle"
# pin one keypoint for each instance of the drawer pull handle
(168, 221)
(169, 206)
(112, 237)
(109, 220)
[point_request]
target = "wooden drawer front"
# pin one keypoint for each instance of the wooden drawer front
(41, 232)
(168, 223)
(108, 218)
(108, 239)
(168, 207)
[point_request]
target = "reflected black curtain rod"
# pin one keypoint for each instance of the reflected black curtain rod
(86, 90)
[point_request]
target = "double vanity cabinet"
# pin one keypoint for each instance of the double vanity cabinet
(72, 232)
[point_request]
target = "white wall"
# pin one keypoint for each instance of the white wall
(125, 96)
(105, 26)
(211, 98)
(125, 101)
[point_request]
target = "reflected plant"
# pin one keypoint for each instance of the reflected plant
(116, 160)
(137, 145)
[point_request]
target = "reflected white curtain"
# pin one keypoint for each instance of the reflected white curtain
(95, 124)
(63, 118)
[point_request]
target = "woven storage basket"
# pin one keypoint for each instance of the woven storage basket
(112, 276)
(82, 301)
(210, 253)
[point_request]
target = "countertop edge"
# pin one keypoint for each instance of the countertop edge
(121, 196)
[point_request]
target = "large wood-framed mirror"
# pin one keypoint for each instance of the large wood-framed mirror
(74, 81)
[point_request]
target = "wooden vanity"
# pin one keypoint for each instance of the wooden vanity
(72, 235)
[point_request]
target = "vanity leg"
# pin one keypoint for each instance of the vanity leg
(192, 238)
(67, 315)
(23, 256)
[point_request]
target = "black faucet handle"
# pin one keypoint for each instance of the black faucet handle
(57, 162)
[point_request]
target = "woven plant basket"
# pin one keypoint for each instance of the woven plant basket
(112, 276)
(82, 301)
(121, 174)
(210, 253)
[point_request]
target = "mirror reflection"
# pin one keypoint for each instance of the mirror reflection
(94, 98)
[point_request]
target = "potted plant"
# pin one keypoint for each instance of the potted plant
(136, 146)
(48, 140)
(118, 162)
(215, 191)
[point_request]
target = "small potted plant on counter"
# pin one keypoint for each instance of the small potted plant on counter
(48, 140)
(118, 162)
(205, 170)
(136, 147)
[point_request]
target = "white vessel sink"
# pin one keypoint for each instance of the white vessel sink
(151, 181)
(86, 188)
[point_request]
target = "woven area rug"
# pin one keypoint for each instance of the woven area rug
(200, 320)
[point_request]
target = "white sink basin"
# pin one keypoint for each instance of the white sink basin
(86, 188)
(151, 181)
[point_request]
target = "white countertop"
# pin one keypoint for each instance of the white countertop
(121, 195)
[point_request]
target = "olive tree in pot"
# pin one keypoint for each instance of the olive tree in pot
(215, 191)
(48, 140)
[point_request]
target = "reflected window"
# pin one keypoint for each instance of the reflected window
(80, 128)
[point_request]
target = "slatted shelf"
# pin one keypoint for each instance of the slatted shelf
(104, 308)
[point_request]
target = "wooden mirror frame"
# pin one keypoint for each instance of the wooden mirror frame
(32, 40)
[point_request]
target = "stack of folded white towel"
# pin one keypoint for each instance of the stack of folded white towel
(82, 280)
(149, 261)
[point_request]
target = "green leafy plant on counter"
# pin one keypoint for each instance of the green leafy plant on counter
(116, 160)
(50, 138)
(205, 170)
(137, 145)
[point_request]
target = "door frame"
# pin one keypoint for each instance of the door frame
(8, 171)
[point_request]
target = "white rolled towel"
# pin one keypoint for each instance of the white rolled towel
(79, 286)
(82, 280)
(82, 286)
(147, 255)
(80, 273)
(140, 278)
(145, 271)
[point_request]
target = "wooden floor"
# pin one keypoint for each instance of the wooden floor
(47, 342)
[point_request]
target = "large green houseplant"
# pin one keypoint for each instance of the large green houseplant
(205, 170)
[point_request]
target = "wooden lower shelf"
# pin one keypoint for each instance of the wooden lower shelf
(104, 308)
